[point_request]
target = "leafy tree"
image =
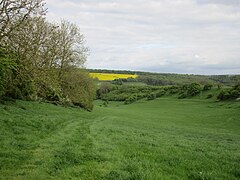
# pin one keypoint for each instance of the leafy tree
(13, 14)
(78, 87)
(47, 57)
(7, 65)
(71, 51)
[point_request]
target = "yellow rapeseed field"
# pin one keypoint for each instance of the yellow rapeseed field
(110, 77)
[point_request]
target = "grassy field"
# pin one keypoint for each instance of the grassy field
(166, 138)
(111, 77)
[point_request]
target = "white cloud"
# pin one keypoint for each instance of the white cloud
(192, 36)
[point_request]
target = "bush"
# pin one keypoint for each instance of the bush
(194, 89)
(113, 96)
(189, 90)
(151, 96)
(21, 86)
(207, 87)
(160, 93)
(105, 103)
(232, 93)
(182, 95)
(104, 89)
(223, 95)
(7, 66)
(173, 89)
(209, 96)
(79, 88)
(131, 99)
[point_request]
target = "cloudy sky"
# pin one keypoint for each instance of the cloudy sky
(171, 36)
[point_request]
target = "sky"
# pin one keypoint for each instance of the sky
(166, 36)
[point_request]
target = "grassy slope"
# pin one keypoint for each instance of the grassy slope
(162, 139)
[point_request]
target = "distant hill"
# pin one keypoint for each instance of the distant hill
(174, 79)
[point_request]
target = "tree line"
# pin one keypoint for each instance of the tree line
(163, 79)
(132, 93)
(40, 60)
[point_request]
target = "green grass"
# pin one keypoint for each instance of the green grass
(166, 138)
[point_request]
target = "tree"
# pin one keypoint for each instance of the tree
(30, 45)
(71, 50)
(78, 87)
(48, 57)
(14, 12)
(7, 65)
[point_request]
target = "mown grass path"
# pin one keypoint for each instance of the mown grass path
(161, 139)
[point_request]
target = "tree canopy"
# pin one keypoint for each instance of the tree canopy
(39, 59)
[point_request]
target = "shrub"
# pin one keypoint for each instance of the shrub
(131, 99)
(207, 87)
(160, 93)
(173, 89)
(210, 95)
(7, 66)
(78, 87)
(105, 103)
(104, 89)
(189, 90)
(232, 93)
(194, 89)
(236, 87)
(223, 95)
(182, 95)
(21, 86)
(151, 96)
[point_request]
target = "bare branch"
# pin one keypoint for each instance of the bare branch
(13, 13)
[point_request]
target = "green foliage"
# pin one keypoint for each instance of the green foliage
(78, 87)
(160, 93)
(46, 58)
(154, 80)
(103, 89)
(219, 86)
(131, 99)
(232, 93)
(151, 96)
(22, 86)
(190, 90)
(183, 95)
(210, 95)
(207, 87)
(7, 66)
(133, 93)
(173, 89)
(163, 79)
(129, 94)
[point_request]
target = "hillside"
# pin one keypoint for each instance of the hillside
(175, 79)
(167, 138)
